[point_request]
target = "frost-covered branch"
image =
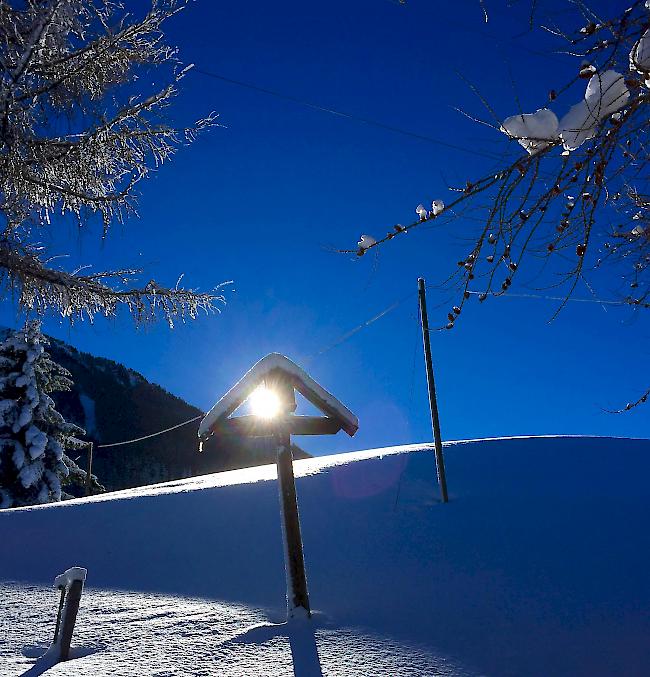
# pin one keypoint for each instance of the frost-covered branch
(70, 65)
(41, 287)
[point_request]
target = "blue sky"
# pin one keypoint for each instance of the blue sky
(262, 201)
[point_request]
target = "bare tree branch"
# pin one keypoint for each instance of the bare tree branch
(587, 168)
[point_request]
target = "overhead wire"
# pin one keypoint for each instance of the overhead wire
(146, 437)
(343, 114)
(360, 327)
(336, 343)
(555, 298)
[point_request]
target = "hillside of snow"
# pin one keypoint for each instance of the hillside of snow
(538, 565)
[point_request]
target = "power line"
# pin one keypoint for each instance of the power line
(555, 298)
(349, 334)
(338, 342)
(146, 437)
(342, 114)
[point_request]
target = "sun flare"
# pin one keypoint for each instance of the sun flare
(265, 402)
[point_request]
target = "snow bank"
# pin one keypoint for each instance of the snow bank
(128, 634)
(536, 566)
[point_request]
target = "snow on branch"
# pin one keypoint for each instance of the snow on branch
(606, 94)
(594, 157)
(579, 196)
(534, 131)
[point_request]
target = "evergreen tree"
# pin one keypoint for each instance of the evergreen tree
(34, 436)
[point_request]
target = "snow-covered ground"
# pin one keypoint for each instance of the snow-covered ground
(127, 633)
(537, 566)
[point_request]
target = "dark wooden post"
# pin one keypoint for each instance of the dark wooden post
(433, 404)
(297, 595)
(89, 469)
(70, 583)
(70, 610)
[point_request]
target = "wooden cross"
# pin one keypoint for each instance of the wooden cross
(282, 376)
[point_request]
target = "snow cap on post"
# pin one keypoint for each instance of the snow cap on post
(65, 579)
(300, 380)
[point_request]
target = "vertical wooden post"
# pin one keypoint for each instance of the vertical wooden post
(89, 469)
(68, 618)
(433, 404)
(297, 594)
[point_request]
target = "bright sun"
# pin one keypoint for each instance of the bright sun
(264, 402)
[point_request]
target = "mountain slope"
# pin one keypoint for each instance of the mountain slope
(114, 403)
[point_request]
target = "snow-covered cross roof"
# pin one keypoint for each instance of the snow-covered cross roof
(300, 380)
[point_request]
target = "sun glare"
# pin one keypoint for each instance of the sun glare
(265, 402)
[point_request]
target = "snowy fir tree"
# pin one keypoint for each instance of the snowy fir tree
(34, 436)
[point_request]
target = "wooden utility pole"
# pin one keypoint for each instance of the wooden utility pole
(297, 595)
(433, 404)
(89, 469)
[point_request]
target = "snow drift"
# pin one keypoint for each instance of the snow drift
(537, 566)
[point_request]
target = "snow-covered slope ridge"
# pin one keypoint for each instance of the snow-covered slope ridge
(538, 565)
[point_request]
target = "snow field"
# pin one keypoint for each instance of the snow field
(537, 566)
(133, 634)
